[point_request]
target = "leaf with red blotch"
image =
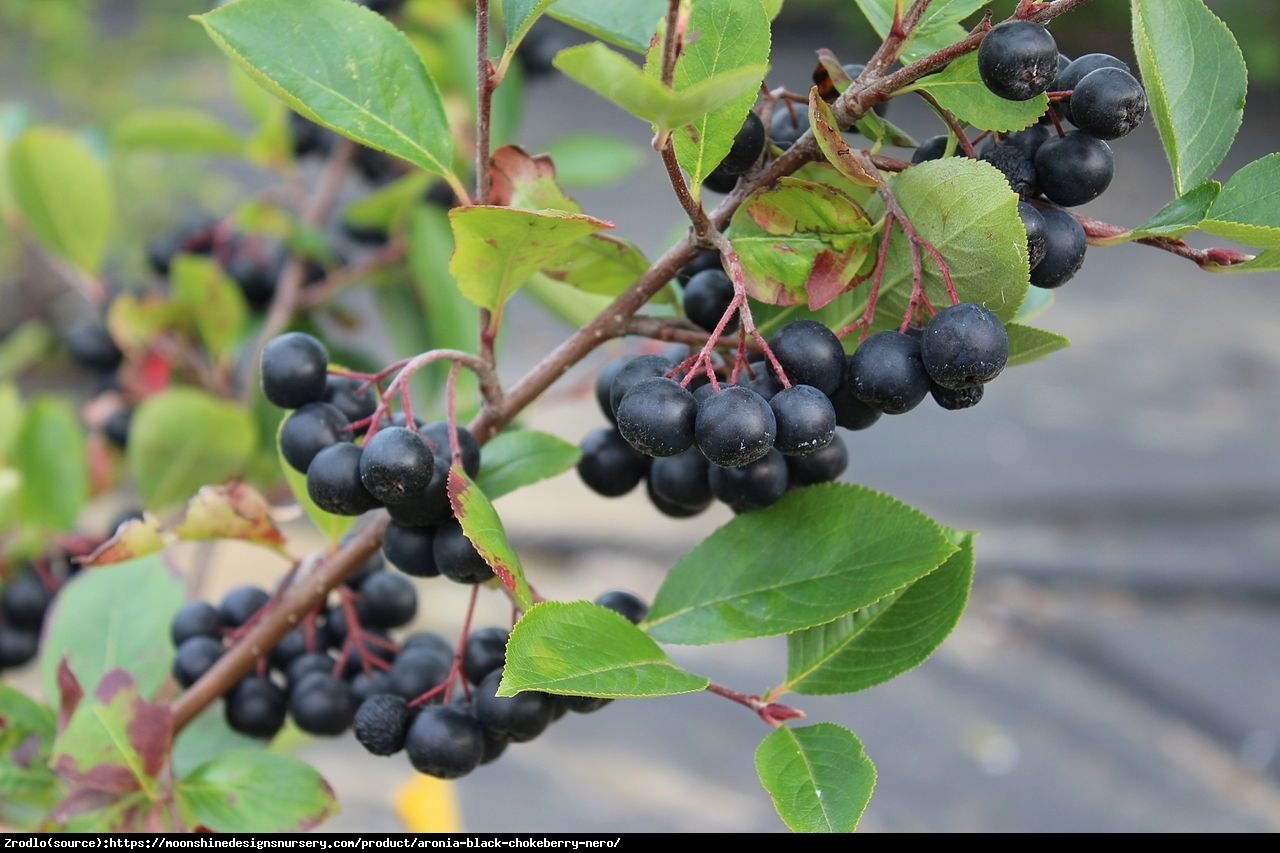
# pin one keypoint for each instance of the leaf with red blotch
(253, 790)
(137, 537)
(527, 181)
(116, 742)
(233, 511)
(69, 692)
(481, 525)
(832, 145)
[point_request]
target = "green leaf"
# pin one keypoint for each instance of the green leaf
(63, 194)
(255, 791)
(212, 300)
(575, 307)
(28, 788)
(582, 649)
(725, 35)
(592, 160)
(182, 439)
(481, 525)
(885, 639)
(344, 67)
(526, 182)
(334, 527)
(1196, 81)
(114, 617)
(23, 347)
(800, 242)
(960, 89)
(518, 17)
(179, 130)
(1264, 262)
(522, 457)
(1038, 301)
(390, 206)
(50, 456)
(498, 248)
(205, 738)
(626, 23)
(1175, 218)
(819, 777)
(449, 319)
(116, 742)
(617, 79)
(938, 28)
(1028, 344)
(1248, 208)
(599, 264)
(846, 547)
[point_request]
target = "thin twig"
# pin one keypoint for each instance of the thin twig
(340, 279)
(701, 224)
(949, 118)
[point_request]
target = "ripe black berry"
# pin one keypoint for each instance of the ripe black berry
(410, 549)
(116, 427)
(446, 742)
(1018, 60)
(375, 642)
(308, 664)
(431, 507)
(194, 658)
(1108, 103)
(322, 704)
(486, 650)
(255, 274)
(333, 481)
(609, 466)
(425, 641)
(706, 299)
(418, 670)
(955, 399)
(678, 484)
(1017, 167)
(657, 417)
(24, 601)
(932, 149)
(583, 704)
(381, 722)
(1075, 71)
(720, 182)
(625, 604)
(821, 466)
(308, 137)
(852, 413)
(17, 646)
(309, 430)
(396, 465)
(346, 394)
(457, 558)
(886, 372)
(1074, 169)
(256, 707)
(789, 123)
(239, 605)
(371, 683)
(92, 348)
(293, 645)
(748, 144)
(294, 369)
(1033, 224)
(810, 353)
(735, 426)
(438, 434)
(964, 345)
(390, 599)
(806, 420)
(195, 619)
(705, 259)
(760, 379)
(754, 486)
(1065, 245)
(519, 718)
(632, 373)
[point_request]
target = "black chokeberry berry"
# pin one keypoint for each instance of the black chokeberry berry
(494, 745)
(789, 123)
(438, 434)
(759, 379)
(240, 603)
(294, 369)
(457, 558)
(418, 670)
(705, 259)
(1065, 244)
(116, 427)
(748, 144)
(1108, 103)
(632, 373)
(322, 704)
(735, 427)
(706, 299)
(657, 417)
(396, 465)
(333, 481)
(308, 664)
(1033, 224)
(810, 354)
(806, 420)
(486, 650)
(410, 549)
(308, 137)
(195, 619)
(18, 646)
(293, 645)
(24, 600)
(425, 641)
(446, 742)
(256, 707)
(351, 397)
(92, 347)
(608, 465)
(821, 466)
(583, 704)
(755, 486)
(1076, 70)
(376, 167)
(310, 430)
(964, 345)
(852, 413)
(955, 399)
(255, 274)
(390, 599)
(381, 722)
(886, 372)
(932, 148)
(371, 683)
(432, 507)
(194, 658)
(1018, 60)
(519, 718)
(1018, 168)
(1074, 169)
(678, 485)
(626, 605)
(720, 182)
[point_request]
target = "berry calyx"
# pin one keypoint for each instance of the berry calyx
(294, 369)
(609, 465)
(810, 354)
(396, 465)
(955, 399)
(333, 481)
(755, 486)
(706, 299)
(446, 742)
(735, 427)
(657, 416)
(1108, 103)
(381, 723)
(309, 430)
(806, 420)
(1017, 60)
(886, 372)
(1074, 169)
(1065, 244)
(964, 345)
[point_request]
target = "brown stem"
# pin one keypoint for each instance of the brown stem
(891, 47)
(1099, 232)
(949, 118)
(773, 713)
(671, 329)
(340, 279)
(701, 224)
(671, 42)
(486, 84)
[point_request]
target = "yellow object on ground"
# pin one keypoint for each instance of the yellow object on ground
(427, 804)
